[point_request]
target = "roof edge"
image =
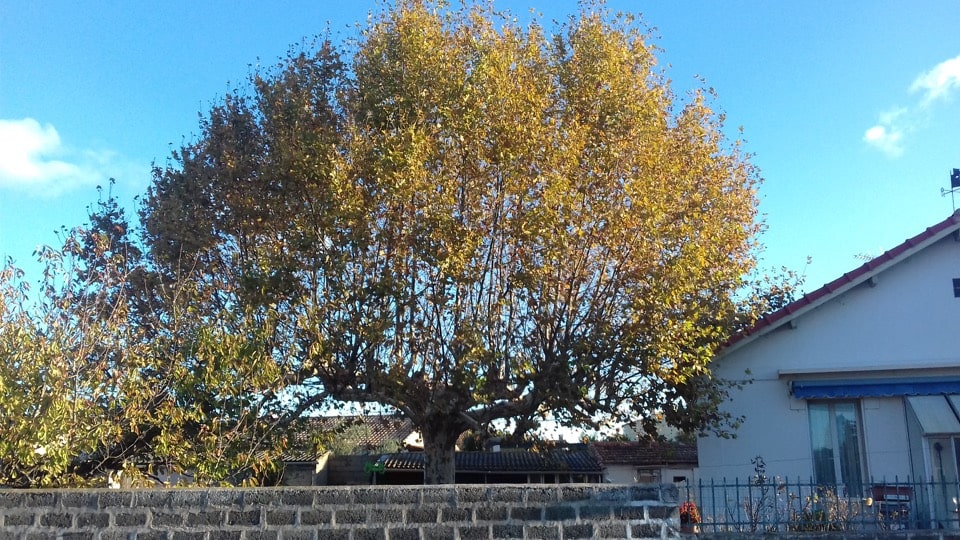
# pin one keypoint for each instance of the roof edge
(844, 283)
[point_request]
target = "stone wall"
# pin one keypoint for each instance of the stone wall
(350, 513)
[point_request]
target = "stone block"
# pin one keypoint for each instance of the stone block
(333, 534)
(330, 496)
(185, 535)
(506, 531)
(278, 516)
(544, 532)
(658, 511)
(28, 499)
(150, 535)
(526, 513)
(289, 533)
(472, 532)
(113, 534)
(578, 530)
(617, 494)
(19, 519)
(507, 494)
(350, 516)
(58, 520)
(490, 513)
(130, 518)
(444, 532)
(165, 518)
(187, 498)
(78, 499)
(114, 499)
(373, 533)
(576, 493)
(315, 516)
(226, 497)
(243, 518)
(225, 535)
(149, 498)
(403, 496)
(370, 495)
(560, 513)
(423, 514)
(473, 494)
(260, 497)
(296, 497)
(385, 516)
(403, 534)
(629, 512)
(649, 493)
(93, 518)
(669, 493)
(594, 512)
(646, 530)
(261, 535)
(85, 535)
(612, 530)
(542, 494)
(444, 494)
(206, 518)
(454, 515)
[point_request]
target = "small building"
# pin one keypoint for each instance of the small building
(347, 444)
(857, 383)
(558, 466)
(646, 462)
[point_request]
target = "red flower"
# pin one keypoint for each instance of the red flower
(689, 513)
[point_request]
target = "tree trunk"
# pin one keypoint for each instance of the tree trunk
(439, 452)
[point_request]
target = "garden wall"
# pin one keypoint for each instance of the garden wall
(349, 512)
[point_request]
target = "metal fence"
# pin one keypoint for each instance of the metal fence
(774, 504)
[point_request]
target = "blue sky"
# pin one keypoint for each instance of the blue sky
(851, 108)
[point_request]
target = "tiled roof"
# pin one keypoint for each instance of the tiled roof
(847, 281)
(645, 453)
(382, 429)
(580, 461)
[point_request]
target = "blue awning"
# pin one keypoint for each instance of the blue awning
(860, 388)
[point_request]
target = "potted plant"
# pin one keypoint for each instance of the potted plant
(689, 517)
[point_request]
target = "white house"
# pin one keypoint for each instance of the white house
(646, 462)
(856, 384)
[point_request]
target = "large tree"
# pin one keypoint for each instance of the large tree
(471, 220)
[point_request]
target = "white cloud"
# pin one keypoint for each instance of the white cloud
(886, 139)
(939, 81)
(887, 134)
(33, 158)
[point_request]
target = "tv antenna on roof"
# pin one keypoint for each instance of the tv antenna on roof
(954, 186)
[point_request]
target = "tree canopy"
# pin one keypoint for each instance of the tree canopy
(468, 220)
(471, 221)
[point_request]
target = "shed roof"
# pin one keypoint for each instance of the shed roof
(381, 429)
(645, 453)
(519, 461)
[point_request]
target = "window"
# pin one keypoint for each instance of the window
(835, 434)
(648, 476)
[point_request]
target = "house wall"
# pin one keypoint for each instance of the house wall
(627, 474)
(903, 326)
(398, 513)
(620, 474)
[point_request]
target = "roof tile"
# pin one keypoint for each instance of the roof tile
(645, 453)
